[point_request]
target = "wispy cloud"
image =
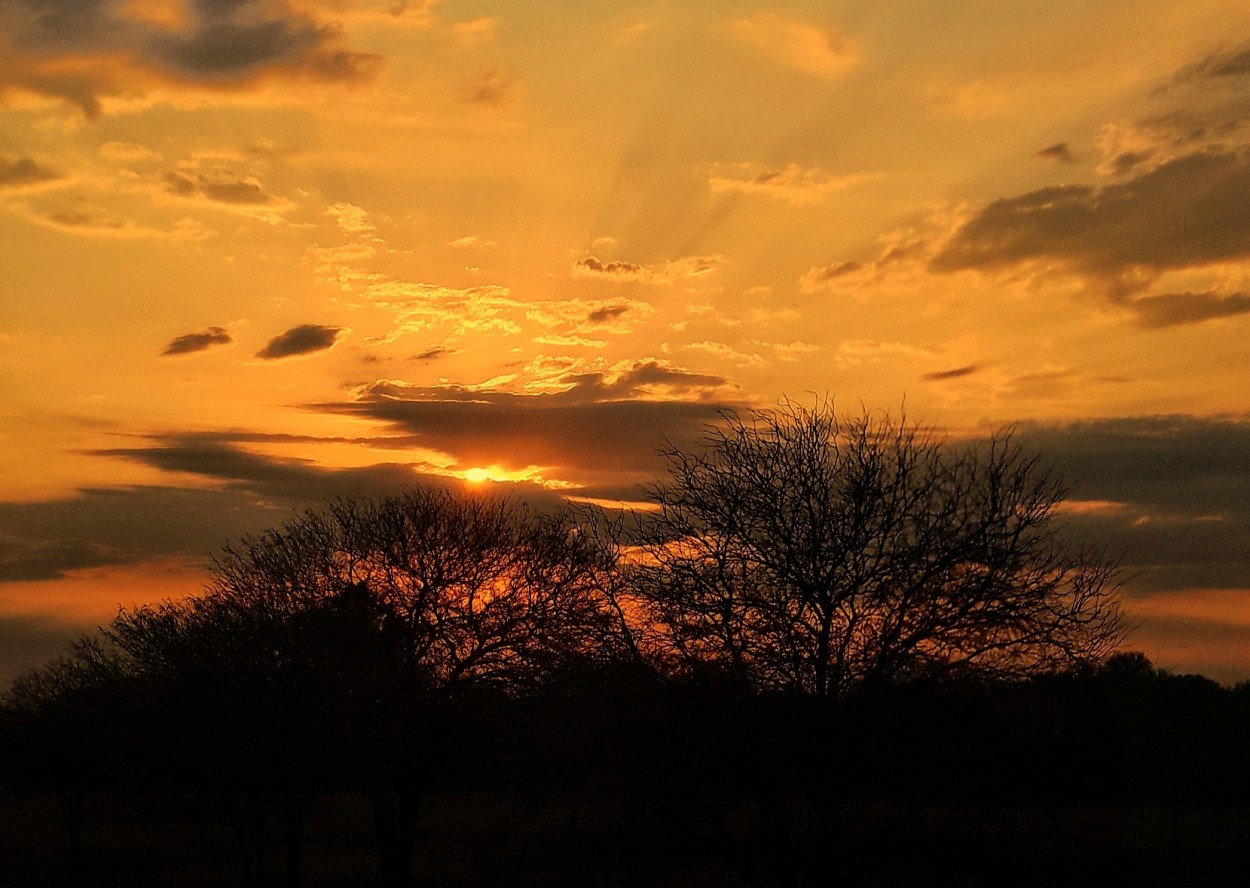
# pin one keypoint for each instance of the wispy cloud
(663, 273)
(820, 51)
(792, 183)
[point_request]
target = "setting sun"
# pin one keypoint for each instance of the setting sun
(480, 475)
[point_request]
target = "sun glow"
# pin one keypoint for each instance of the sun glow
(482, 474)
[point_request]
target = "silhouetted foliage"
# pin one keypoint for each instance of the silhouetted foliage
(342, 649)
(836, 645)
(65, 726)
(818, 554)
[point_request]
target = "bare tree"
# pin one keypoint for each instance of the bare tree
(66, 726)
(820, 554)
(817, 559)
(357, 635)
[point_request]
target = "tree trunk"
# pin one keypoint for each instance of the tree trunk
(73, 805)
(294, 810)
(247, 821)
(395, 812)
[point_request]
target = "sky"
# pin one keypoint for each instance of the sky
(258, 253)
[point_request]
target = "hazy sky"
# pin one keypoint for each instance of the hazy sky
(258, 252)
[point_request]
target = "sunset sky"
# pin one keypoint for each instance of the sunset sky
(254, 253)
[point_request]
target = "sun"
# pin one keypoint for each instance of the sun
(478, 475)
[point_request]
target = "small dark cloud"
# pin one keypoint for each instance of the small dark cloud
(607, 314)
(177, 183)
(239, 191)
(493, 89)
(302, 340)
(1127, 161)
(1175, 309)
(223, 188)
(195, 342)
(956, 373)
(1058, 151)
(593, 265)
(20, 171)
(435, 352)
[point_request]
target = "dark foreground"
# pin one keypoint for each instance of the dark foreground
(1127, 776)
(472, 840)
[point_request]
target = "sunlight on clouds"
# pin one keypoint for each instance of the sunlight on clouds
(558, 234)
(824, 52)
(790, 183)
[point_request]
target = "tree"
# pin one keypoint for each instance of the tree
(347, 644)
(824, 560)
(67, 733)
(813, 553)
(489, 597)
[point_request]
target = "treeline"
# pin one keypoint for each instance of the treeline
(829, 636)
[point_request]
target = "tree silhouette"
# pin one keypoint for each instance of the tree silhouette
(488, 597)
(67, 722)
(822, 555)
(342, 648)
(829, 559)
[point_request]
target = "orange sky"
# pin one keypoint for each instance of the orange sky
(258, 252)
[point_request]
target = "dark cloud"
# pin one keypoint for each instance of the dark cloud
(955, 373)
(493, 89)
(293, 482)
(79, 50)
(607, 314)
(238, 191)
(99, 527)
(24, 171)
(1127, 161)
(661, 273)
(177, 183)
(195, 342)
(1172, 493)
(1225, 64)
(592, 265)
(1173, 309)
(224, 188)
(1190, 211)
(302, 340)
(598, 424)
(643, 377)
(1058, 151)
